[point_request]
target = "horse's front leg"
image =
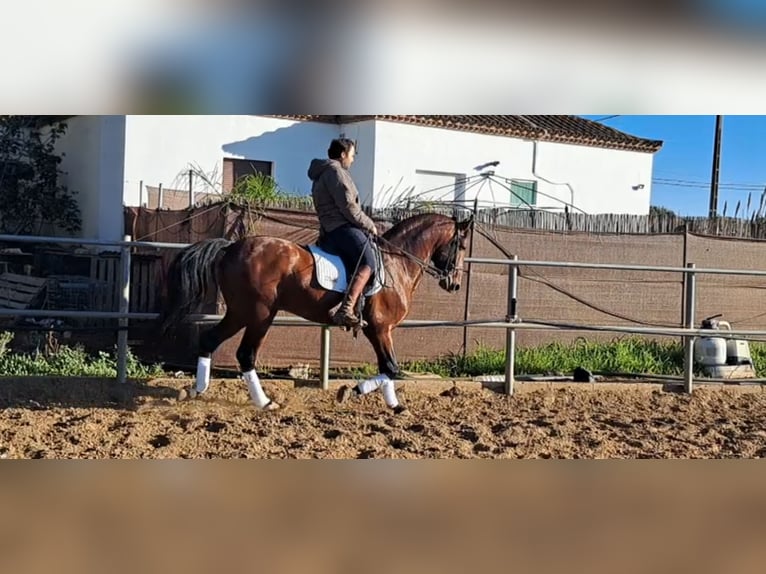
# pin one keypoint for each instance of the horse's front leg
(382, 343)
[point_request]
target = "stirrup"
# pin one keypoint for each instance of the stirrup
(349, 322)
(347, 319)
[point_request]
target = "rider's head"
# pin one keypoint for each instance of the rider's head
(344, 150)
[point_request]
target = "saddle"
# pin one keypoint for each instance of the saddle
(331, 273)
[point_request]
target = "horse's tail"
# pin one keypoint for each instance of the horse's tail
(191, 277)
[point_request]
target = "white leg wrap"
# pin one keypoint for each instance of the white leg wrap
(256, 391)
(203, 374)
(389, 393)
(370, 385)
(384, 383)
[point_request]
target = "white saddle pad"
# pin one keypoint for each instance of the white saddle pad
(331, 273)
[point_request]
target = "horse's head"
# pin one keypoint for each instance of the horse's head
(449, 255)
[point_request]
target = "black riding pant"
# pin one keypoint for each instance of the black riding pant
(352, 245)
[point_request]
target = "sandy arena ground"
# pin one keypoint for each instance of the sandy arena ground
(87, 418)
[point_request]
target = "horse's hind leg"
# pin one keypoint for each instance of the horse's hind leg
(247, 353)
(209, 341)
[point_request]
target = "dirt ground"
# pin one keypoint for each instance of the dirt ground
(86, 418)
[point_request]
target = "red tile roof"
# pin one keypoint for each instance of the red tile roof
(563, 129)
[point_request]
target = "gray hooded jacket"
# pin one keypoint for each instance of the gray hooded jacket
(336, 199)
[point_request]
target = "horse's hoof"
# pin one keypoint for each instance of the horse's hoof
(186, 394)
(344, 393)
(271, 406)
(400, 410)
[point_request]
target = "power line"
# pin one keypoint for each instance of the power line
(706, 184)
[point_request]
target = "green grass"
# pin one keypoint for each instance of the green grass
(621, 355)
(69, 361)
(624, 355)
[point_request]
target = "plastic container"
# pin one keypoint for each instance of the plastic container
(737, 350)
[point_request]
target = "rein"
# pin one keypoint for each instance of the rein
(426, 266)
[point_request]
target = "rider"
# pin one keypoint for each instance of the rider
(344, 227)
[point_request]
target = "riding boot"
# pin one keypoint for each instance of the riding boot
(346, 315)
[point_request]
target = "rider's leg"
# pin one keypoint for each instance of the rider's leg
(355, 249)
(346, 315)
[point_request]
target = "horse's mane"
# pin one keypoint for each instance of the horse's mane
(403, 230)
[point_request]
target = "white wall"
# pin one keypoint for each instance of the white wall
(111, 215)
(107, 156)
(595, 180)
(363, 169)
(603, 180)
(92, 149)
(80, 149)
(160, 149)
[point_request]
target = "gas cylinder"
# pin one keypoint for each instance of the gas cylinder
(710, 351)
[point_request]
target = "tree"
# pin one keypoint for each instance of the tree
(661, 211)
(31, 194)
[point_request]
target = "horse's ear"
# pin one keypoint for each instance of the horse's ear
(465, 224)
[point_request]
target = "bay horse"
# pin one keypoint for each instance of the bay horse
(261, 275)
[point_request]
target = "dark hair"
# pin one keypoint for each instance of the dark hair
(338, 146)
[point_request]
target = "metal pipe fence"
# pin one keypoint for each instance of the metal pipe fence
(511, 322)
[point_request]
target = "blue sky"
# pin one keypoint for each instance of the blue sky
(683, 167)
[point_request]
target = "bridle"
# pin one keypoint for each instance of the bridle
(454, 246)
(428, 267)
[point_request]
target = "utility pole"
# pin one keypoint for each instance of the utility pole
(716, 165)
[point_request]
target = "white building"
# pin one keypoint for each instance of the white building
(547, 161)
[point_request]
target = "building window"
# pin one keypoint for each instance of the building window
(439, 186)
(523, 193)
(234, 169)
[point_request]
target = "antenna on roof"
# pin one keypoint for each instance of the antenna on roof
(486, 165)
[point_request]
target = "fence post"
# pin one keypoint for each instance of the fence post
(122, 334)
(467, 309)
(684, 262)
(324, 363)
(510, 334)
(191, 188)
(689, 340)
(159, 197)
